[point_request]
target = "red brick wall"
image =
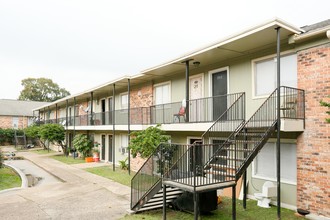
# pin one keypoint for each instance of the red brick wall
(140, 97)
(313, 147)
(7, 122)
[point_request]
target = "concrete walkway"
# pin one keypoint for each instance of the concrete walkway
(74, 194)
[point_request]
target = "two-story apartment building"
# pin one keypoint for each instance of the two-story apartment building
(223, 96)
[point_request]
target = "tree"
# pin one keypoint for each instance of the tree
(41, 89)
(326, 104)
(145, 142)
(33, 131)
(54, 133)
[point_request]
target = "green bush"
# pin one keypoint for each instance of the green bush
(7, 135)
(83, 144)
(146, 141)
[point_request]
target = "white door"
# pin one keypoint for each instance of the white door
(196, 105)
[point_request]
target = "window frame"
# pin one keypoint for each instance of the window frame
(253, 71)
(283, 180)
(120, 101)
(169, 91)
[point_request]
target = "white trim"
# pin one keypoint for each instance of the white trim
(211, 72)
(169, 83)
(253, 68)
(195, 76)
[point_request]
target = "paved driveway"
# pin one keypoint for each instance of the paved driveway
(73, 194)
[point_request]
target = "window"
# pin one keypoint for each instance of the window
(15, 122)
(124, 143)
(265, 74)
(124, 101)
(162, 93)
(264, 166)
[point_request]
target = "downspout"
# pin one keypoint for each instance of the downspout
(278, 142)
(74, 122)
(114, 128)
(129, 124)
(66, 126)
(92, 121)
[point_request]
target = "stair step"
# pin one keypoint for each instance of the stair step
(230, 158)
(160, 198)
(169, 189)
(150, 208)
(221, 173)
(160, 194)
(219, 166)
(240, 150)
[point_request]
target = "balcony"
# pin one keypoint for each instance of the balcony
(204, 110)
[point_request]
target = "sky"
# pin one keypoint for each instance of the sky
(80, 44)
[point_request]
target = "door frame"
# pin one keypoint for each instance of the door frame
(105, 147)
(211, 72)
(189, 138)
(195, 76)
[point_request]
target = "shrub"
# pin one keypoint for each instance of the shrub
(145, 142)
(123, 164)
(7, 135)
(83, 144)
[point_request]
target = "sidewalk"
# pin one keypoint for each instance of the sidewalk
(78, 195)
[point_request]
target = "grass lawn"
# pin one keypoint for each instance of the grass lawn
(9, 178)
(224, 213)
(120, 176)
(68, 160)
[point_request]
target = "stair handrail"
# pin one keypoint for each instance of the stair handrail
(241, 98)
(285, 92)
(162, 152)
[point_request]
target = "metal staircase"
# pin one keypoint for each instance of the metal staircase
(229, 147)
(146, 185)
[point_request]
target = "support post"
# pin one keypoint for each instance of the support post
(196, 205)
(234, 202)
(244, 174)
(56, 114)
(278, 142)
(114, 127)
(129, 123)
(66, 128)
(187, 89)
(164, 202)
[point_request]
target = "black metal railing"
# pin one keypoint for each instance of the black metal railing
(255, 133)
(228, 122)
(200, 110)
(190, 169)
(194, 168)
(150, 173)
